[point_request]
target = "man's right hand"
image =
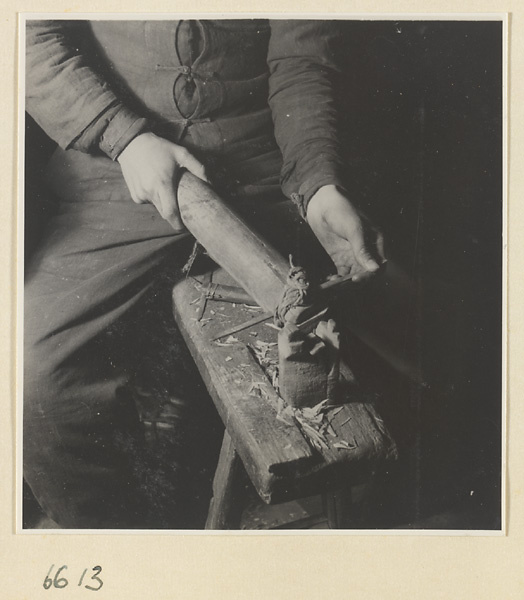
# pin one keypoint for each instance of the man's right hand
(151, 167)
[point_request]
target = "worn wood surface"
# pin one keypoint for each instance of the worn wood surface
(225, 509)
(279, 458)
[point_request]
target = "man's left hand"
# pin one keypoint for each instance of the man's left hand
(354, 245)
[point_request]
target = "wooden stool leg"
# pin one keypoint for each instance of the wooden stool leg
(225, 508)
(344, 507)
(337, 506)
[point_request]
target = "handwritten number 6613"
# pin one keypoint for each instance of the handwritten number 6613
(61, 582)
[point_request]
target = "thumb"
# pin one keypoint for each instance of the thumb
(168, 208)
(362, 254)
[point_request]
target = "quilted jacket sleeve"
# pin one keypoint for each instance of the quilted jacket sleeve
(302, 65)
(67, 98)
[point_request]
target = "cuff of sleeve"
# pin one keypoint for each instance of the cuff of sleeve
(310, 187)
(122, 129)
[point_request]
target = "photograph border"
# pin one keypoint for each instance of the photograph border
(375, 566)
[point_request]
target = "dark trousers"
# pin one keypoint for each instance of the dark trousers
(86, 291)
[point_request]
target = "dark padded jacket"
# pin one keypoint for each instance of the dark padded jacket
(228, 89)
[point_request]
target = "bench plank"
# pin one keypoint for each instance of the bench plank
(279, 458)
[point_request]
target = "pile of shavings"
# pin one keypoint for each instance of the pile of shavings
(267, 360)
(262, 352)
(315, 424)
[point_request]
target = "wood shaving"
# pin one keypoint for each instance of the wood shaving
(261, 350)
(320, 406)
(256, 388)
(229, 342)
(265, 345)
(283, 419)
(343, 446)
(315, 424)
(274, 379)
(201, 321)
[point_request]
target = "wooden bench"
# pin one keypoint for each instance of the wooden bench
(277, 453)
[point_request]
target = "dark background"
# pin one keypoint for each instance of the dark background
(422, 125)
(421, 106)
